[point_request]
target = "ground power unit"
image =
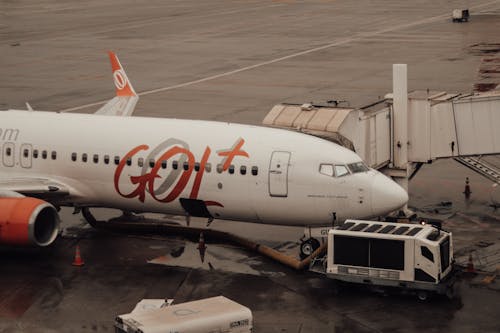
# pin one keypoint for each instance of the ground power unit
(414, 257)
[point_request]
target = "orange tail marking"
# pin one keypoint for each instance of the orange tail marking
(122, 84)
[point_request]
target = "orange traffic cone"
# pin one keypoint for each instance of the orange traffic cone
(467, 190)
(78, 258)
(470, 265)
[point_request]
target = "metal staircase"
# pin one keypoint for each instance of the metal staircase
(480, 166)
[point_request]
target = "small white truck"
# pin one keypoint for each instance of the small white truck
(413, 257)
(211, 315)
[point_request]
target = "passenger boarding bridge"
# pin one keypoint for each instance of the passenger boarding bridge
(397, 137)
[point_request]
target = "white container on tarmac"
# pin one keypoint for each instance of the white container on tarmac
(216, 314)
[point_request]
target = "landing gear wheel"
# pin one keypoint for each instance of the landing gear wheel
(422, 295)
(308, 247)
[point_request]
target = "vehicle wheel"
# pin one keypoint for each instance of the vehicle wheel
(308, 247)
(422, 295)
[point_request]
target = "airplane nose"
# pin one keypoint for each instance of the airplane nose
(387, 195)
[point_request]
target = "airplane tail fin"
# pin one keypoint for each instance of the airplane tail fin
(122, 83)
(123, 104)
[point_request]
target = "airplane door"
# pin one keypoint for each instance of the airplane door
(8, 154)
(26, 153)
(278, 174)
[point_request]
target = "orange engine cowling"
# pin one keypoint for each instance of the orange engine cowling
(27, 221)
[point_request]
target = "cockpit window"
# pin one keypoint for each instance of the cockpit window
(326, 169)
(341, 170)
(358, 167)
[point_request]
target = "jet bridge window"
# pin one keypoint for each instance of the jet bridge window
(358, 167)
(341, 170)
(74, 156)
(326, 169)
(427, 253)
(255, 170)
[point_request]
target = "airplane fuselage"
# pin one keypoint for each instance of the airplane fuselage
(213, 169)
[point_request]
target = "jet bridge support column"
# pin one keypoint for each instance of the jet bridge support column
(400, 125)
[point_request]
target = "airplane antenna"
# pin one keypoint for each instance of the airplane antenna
(28, 106)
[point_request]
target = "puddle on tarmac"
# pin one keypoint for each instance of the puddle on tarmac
(217, 257)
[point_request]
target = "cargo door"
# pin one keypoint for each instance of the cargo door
(8, 154)
(278, 174)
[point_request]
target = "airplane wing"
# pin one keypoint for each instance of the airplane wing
(36, 187)
(123, 104)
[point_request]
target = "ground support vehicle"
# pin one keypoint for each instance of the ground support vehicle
(411, 257)
(215, 314)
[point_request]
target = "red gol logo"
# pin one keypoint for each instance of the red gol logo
(148, 181)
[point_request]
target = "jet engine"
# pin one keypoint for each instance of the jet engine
(27, 221)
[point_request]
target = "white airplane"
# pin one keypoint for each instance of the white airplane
(189, 167)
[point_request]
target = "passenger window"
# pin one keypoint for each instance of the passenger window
(186, 166)
(106, 159)
(140, 162)
(326, 169)
(427, 253)
(231, 169)
(243, 170)
(54, 155)
(73, 157)
(175, 165)
(163, 164)
(84, 158)
(197, 167)
(129, 161)
(219, 168)
(35, 153)
(208, 167)
(152, 162)
(44, 154)
(117, 160)
(26, 153)
(255, 170)
(341, 170)
(96, 158)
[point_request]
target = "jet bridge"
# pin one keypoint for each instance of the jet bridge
(396, 137)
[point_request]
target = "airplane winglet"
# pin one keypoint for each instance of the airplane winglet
(122, 83)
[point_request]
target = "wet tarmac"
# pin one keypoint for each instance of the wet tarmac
(232, 61)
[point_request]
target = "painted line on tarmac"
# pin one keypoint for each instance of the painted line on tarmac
(339, 42)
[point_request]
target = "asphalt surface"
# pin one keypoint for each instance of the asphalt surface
(232, 61)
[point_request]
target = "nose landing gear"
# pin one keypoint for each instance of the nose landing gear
(308, 246)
